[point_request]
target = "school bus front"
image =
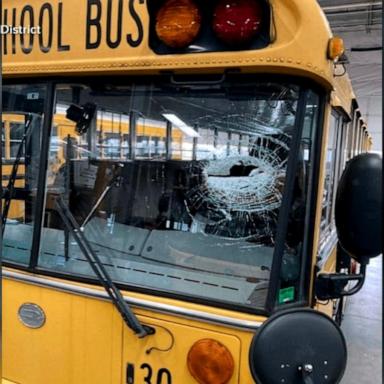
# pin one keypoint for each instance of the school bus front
(173, 174)
(194, 223)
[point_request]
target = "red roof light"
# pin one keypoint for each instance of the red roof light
(237, 21)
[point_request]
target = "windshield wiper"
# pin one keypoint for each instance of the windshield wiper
(12, 178)
(113, 292)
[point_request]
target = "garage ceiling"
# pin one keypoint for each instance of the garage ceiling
(359, 23)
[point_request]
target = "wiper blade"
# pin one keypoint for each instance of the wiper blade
(113, 292)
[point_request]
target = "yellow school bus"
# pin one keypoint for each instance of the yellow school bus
(174, 219)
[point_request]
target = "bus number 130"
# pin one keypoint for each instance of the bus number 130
(163, 376)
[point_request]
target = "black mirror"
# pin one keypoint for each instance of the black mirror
(358, 210)
(298, 346)
(82, 116)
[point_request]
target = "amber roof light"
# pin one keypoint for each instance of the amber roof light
(178, 23)
(335, 48)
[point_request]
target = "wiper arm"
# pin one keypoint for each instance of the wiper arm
(12, 178)
(113, 292)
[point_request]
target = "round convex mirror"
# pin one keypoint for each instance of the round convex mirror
(299, 346)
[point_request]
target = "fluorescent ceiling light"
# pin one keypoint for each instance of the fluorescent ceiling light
(177, 122)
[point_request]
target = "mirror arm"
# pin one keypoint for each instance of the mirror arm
(359, 285)
(330, 286)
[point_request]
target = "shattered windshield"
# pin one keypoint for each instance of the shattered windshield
(178, 187)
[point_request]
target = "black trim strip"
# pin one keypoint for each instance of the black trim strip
(44, 154)
(310, 221)
(132, 135)
(282, 223)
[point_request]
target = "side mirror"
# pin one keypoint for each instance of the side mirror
(358, 210)
(298, 346)
(358, 223)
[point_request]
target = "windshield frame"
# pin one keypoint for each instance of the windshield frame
(306, 261)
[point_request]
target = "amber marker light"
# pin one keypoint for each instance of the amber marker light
(335, 48)
(237, 21)
(178, 23)
(210, 362)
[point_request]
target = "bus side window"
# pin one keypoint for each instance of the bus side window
(344, 147)
(333, 164)
(359, 139)
(340, 160)
(349, 142)
(329, 171)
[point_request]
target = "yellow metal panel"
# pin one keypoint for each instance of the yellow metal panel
(179, 338)
(300, 45)
(343, 95)
(79, 343)
(83, 340)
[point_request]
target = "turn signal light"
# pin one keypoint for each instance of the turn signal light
(178, 23)
(237, 21)
(335, 48)
(210, 362)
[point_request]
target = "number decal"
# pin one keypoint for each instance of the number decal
(130, 374)
(147, 379)
(164, 372)
(163, 375)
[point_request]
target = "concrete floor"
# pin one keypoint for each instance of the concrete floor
(362, 327)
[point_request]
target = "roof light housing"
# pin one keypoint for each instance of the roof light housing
(196, 26)
(335, 48)
(237, 21)
(178, 23)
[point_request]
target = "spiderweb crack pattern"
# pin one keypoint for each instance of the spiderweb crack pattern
(238, 196)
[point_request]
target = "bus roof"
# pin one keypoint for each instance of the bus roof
(68, 27)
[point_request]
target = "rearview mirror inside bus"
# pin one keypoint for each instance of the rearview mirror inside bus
(82, 116)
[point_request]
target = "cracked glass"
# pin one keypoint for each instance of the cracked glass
(178, 187)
